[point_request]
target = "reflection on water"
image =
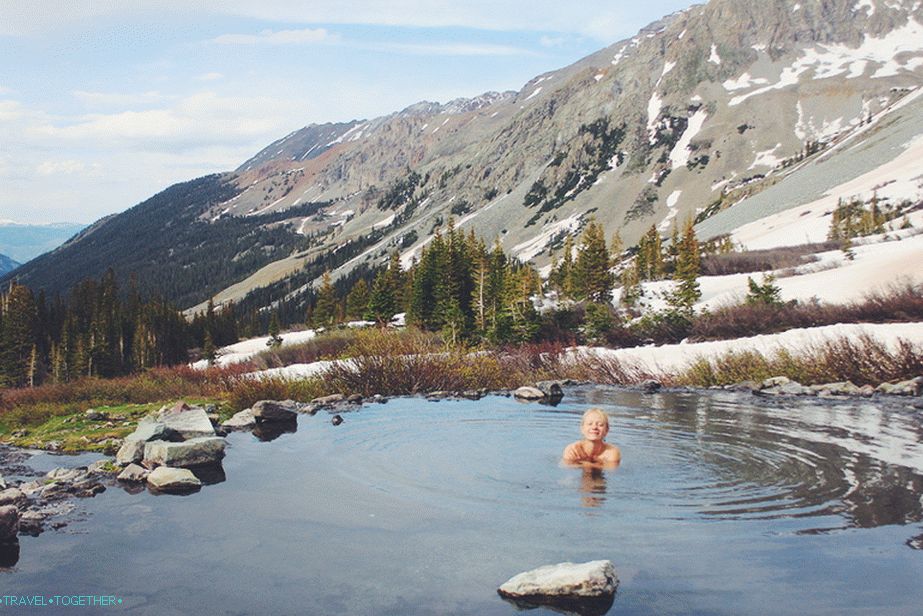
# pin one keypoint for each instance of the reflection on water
(593, 486)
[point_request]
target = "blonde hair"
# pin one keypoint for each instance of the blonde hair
(595, 411)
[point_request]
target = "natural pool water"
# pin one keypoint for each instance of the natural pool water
(724, 504)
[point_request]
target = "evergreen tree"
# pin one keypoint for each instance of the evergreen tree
(325, 310)
(275, 339)
(17, 337)
(592, 278)
(767, 293)
(357, 300)
(687, 292)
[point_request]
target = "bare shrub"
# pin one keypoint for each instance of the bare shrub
(763, 260)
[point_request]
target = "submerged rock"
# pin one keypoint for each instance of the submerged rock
(551, 389)
(270, 410)
(194, 452)
(243, 419)
(337, 420)
(651, 386)
(587, 588)
(167, 479)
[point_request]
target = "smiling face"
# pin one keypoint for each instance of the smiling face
(595, 425)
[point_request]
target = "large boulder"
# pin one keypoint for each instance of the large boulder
(910, 387)
(132, 449)
(187, 423)
(9, 524)
(12, 496)
(194, 452)
(270, 410)
(588, 588)
(328, 400)
(166, 479)
(551, 389)
(130, 452)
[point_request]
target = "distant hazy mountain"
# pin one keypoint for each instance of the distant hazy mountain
(7, 264)
(24, 242)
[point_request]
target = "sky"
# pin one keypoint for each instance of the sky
(104, 103)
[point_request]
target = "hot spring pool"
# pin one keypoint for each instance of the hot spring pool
(724, 504)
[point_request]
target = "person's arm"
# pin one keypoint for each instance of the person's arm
(571, 454)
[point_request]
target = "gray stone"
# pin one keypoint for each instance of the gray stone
(196, 451)
(168, 479)
(94, 415)
(130, 451)
(775, 381)
(3, 485)
(529, 393)
(591, 580)
(101, 466)
(789, 388)
(866, 391)
(133, 473)
(336, 420)
(551, 389)
(63, 474)
(744, 386)
(12, 496)
(910, 387)
(355, 399)
(840, 388)
(149, 429)
(9, 524)
(650, 386)
(243, 419)
(270, 410)
(188, 423)
(331, 399)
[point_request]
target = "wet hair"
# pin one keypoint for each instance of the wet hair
(595, 411)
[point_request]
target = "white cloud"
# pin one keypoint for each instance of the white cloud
(5, 91)
(451, 49)
(66, 167)
(11, 111)
(115, 99)
(213, 76)
(552, 41)
(280, 37)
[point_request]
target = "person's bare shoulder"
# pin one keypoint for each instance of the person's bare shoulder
(612, 455)
(571, 453)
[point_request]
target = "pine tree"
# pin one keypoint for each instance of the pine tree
(592, 278)
(357, 300)
(616, 247)
(325, 309)
(275, 339)
(17, 338)
(768, 293)
(686, 292)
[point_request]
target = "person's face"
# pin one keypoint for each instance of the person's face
(594, 427)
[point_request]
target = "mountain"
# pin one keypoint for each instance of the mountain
(7, 264)
(702, 113)
(23, 242)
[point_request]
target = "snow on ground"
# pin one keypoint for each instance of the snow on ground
(673, 358)
(671, 215)
(896, 180)
(294, 371)
(530, 248)
(653, 111)
(836, 59)
(679, 156)
(767, 158)
(247, 349)
(714, 58)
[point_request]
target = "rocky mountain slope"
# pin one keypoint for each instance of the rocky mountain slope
(691, 117)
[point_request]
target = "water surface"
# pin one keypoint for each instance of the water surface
(724, 504)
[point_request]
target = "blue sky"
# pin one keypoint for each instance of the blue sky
(105, 102)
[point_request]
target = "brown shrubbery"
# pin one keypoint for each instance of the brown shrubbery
(763, 260)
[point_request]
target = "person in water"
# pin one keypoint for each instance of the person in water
(593, 449)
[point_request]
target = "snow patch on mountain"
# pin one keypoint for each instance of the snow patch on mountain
(679, 156)
(530, 248)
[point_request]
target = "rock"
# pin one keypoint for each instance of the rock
(196, 451)
(269, 410)
(62, 474)
(744, 386)
(187, 424)
(328, 400)
(31, 523)
(133, 474)
(471, 394)
(588, 588)
(3, 485)
(551, 389)
(355, 399)
(54, 445)
(103, 466)
(651, 386)
(9, 524)
(840, 388)
(438, 395)
(243, 419)
(774, 381)
(529, 393)
(94, 415)
(130, 451)
(149, 429)
(12, 496)
(337, 420)
(168, 479)
(910, 387)
(789, 388)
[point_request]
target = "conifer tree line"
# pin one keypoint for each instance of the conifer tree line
(98, 332)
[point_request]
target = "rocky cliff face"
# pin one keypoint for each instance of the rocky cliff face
(691, 115)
